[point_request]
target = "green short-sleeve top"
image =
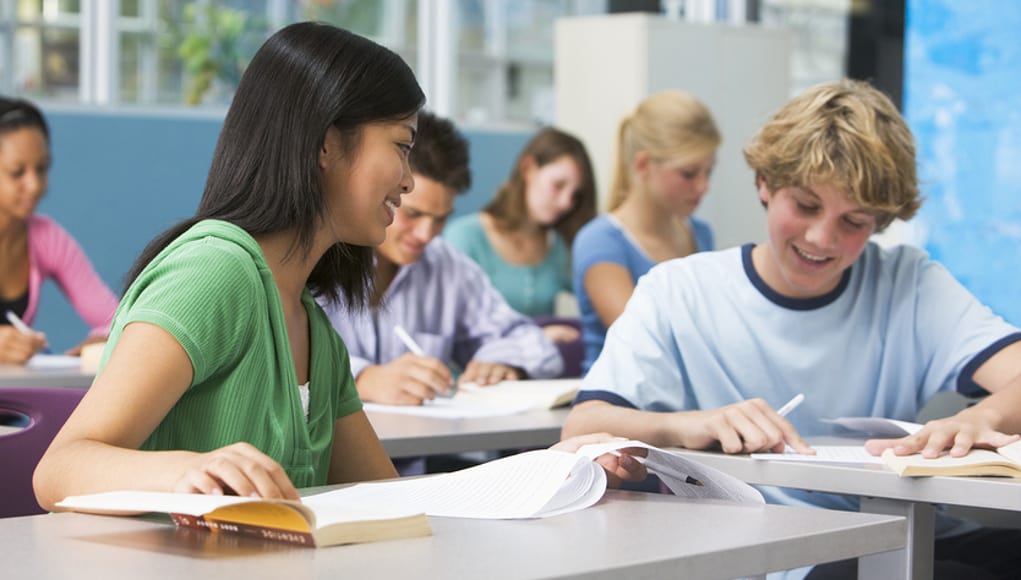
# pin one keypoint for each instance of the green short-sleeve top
(212, 289)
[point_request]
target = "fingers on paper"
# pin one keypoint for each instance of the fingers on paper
(488, 373)
(751, 426)
(430, 373)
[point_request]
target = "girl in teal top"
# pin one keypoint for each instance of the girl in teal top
(521, 238)
(529, 288)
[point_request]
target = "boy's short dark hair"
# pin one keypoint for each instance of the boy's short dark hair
(441, 153)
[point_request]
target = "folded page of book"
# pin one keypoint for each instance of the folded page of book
(532, 484)
(825, 454)
(1005, 462)
(877, 426)
(535, 484)
(684, 477)
(54, 362)
(504, 398)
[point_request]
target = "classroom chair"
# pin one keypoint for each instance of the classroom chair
(38, 412)
(572, 352)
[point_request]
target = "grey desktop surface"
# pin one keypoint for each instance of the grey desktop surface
(627, 534)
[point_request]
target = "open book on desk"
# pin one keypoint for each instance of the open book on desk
(268, 519)
(504, 398)
(534, 484)
(1004, 462)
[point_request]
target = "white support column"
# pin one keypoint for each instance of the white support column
(438, 30)
(737, 11)
(99, 73)
(700, 10)
(497, 49)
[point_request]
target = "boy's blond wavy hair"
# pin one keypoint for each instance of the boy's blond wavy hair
(846, 134)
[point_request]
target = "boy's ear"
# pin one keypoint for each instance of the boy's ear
(764, 193)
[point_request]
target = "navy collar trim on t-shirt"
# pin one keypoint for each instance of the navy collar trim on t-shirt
(786, 301)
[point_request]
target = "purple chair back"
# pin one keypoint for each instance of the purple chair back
(572, 352)
(46, 410)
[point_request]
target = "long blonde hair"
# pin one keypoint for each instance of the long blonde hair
(669, 125)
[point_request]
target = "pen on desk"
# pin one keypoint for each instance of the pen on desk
(791, 405)
(19, 324)
(408, 341)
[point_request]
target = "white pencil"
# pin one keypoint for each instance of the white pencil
(18, 323)
(791, 405)
(408, 341)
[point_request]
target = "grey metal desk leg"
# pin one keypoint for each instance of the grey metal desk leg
(914, 562)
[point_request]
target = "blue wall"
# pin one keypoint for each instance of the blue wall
(962, 98)
(119, 179)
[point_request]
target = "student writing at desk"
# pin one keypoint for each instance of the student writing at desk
(437, 294)
(222, 373)
(34, 247)
(711, 344)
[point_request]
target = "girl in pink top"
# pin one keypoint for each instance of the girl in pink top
(34, 247)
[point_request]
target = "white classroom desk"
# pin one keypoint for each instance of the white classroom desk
(417, 436)
(627, 535)
(881, 491)
(22, 376)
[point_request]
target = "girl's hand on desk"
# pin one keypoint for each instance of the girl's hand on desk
(17, 347)
(238, 469)
(76, 350)
(488, 373)
(959, 433)
(408, 380)
(622, 467)
(746, 427)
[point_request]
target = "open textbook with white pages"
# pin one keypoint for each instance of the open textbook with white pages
(538, 483)
(533, 484)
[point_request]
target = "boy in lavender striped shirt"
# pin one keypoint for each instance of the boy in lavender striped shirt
(439, 295)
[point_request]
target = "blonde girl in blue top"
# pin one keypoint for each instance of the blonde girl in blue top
(666, 151)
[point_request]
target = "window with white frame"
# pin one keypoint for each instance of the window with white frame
(479, 61)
